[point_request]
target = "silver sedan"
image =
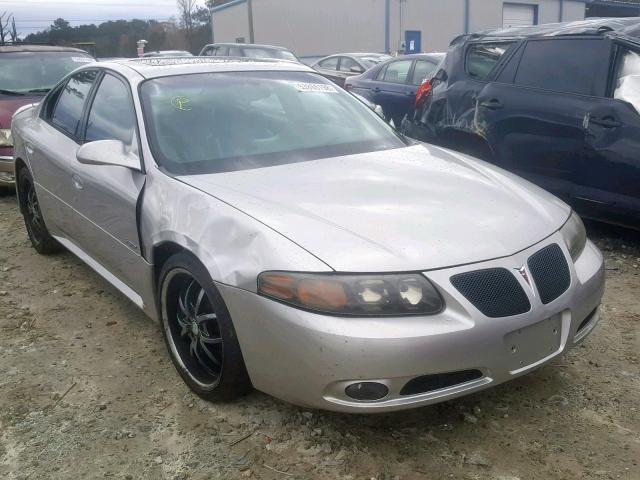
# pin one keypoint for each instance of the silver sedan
(287, 239)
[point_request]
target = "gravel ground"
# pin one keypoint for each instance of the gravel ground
(87, 391)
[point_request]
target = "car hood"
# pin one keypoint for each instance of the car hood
(409, 209)
(9, 105)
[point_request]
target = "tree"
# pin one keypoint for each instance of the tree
(7, 28)
(187, 8)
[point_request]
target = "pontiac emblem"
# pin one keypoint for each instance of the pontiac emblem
(523, 272)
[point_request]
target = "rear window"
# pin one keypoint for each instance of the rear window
(256, 52)
(482, 58)
(566, 65)
(217, 122)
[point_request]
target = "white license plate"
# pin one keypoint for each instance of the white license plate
(531, 344)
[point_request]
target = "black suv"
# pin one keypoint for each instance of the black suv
(557, 104)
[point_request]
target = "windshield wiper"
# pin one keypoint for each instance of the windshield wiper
(11, 92)
(39, 90)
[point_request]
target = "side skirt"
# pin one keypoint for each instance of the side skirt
(103, 272)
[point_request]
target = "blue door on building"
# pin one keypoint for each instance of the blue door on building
(412, 41)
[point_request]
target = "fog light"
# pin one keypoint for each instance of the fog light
(367, 391)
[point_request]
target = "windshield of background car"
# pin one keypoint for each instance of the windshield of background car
(253, 52)
(37, 72)
(220, 122)
(369, 62)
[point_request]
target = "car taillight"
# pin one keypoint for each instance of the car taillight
(423, 92)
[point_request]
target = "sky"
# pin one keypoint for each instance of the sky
(35, 15)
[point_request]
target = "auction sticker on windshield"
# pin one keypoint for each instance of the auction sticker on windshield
(82, 59)
(314, 87)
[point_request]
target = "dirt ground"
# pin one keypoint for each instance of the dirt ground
(88, 391)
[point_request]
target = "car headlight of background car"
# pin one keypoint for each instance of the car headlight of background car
(6, 140)
(353, 295)
(575, 235)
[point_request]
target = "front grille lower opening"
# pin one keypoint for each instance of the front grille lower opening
(587, 320)
(431, 383)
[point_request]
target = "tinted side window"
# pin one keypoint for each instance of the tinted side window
(68, 112)
(221, 51)
(568, 66)
(329, 63)
(482, 58)
(112, 115)
(346, 64)
(234, 52)
(397, 72)
(209, 52)
(421, 71)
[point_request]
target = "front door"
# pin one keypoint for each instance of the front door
(412, 42)
(106, 197)
(609, 174)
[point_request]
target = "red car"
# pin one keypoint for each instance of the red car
(27, 73)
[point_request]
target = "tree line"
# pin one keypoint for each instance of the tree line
(119, 38)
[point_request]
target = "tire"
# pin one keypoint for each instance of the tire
(199, 332)
(41, 239)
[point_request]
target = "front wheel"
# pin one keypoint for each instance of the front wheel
(41, 239)
(199, 333)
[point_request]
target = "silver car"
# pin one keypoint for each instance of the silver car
(287, 239)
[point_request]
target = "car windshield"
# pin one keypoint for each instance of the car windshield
(256, 52)
(218, 122)
(37, 72)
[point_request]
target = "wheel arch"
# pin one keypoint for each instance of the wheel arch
(18, 165)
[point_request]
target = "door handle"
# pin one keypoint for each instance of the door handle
(411, 94)
(605, 122)
(493, 104)
(375, 89)
(77, 182)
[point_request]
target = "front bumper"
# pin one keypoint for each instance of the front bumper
(7, 176)
(309, 359)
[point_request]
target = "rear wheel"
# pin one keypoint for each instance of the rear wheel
(199, 333)
(40, 237)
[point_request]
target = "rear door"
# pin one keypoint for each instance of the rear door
(52, 151)
(608, 178)
(533, 115)
(392, 89)
(106, 197)
(329, 68)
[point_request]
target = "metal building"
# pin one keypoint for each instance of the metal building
(317, 28)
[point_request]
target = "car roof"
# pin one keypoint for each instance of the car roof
(155, 67)
(596, 26)
(247, 45)
(39, 48)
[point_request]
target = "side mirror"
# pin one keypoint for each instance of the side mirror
(107, 152)
(356, 70)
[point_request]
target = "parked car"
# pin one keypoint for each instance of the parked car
(557, 104)
(338, 68)
(393, 84)
(251, 50)
(287, 238)
(27, 72)
(167, 53)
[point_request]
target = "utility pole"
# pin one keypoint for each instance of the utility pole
(250, 15)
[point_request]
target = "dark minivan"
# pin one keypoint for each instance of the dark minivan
(557, 104)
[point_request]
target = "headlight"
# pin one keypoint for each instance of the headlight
(5, 138)
(575, 235)
(354, 295)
